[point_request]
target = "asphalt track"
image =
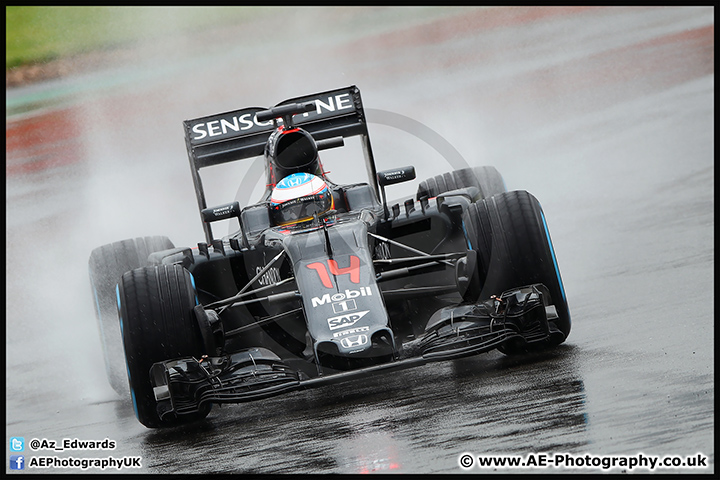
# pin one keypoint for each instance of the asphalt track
(606, 115)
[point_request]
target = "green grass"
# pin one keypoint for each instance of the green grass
(39, 34)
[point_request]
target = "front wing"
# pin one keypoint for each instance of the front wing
(517, 317)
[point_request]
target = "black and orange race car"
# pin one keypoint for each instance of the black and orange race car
(321, 282)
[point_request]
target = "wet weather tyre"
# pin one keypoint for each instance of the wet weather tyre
(106, 266)
(157, 323)
(514, 249)
(486, 179)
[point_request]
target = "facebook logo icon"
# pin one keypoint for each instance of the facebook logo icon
(17, 462)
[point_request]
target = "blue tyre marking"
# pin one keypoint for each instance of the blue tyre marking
(192, 280)
(467, 237)
(117, 296)
(127, 367)
(552, 253)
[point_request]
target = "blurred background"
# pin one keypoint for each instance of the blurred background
(605, 114)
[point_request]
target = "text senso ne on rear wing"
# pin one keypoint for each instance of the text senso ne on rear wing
(238, 134)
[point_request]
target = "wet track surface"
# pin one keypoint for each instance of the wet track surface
(605, 115)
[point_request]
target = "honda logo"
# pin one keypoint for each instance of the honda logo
(354, 341)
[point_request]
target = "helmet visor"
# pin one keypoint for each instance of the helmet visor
(301, 209)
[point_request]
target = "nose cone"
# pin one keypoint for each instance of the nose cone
(356, 347)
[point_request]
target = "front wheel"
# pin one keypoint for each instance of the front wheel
(512, 241)
(157, 324)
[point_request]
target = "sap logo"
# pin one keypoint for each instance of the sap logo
(327, 298)
(351, 331)
(222, 126)
(343, 321)
(270, 277)
(356, 341)
(344, 306)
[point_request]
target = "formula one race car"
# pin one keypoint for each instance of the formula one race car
(322, 282)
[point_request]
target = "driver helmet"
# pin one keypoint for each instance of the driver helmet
(299, 197)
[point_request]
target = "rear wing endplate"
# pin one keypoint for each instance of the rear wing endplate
(238, 135)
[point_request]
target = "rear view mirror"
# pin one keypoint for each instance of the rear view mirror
(391, 177)
(213, 214)
(396, 175)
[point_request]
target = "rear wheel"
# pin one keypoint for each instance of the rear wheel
(513, 245)
(106, 266)
(486, 179)
(157, 323)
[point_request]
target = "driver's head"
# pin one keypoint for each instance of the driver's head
(299, 197)
(291, 151)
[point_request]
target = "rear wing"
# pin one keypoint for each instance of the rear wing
(238, 135)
